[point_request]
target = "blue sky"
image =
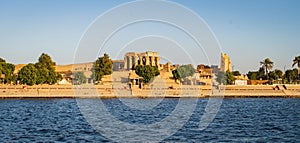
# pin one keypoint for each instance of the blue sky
(248, 30)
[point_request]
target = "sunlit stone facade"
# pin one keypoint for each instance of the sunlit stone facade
(133, 59)
(225, 63)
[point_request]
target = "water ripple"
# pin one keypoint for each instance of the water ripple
(239, 120)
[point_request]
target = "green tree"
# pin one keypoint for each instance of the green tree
(236, 73)
(45, 61)
(225, 78)
(79, 78)
(279, 73)
(276, 74)
(257, 75)
(42, 75)
(147, 72)
(59, 77)
(2, 60)
(230, 77)
(52, 77)
(252, 75)
(46, 70)
(176, 75)
(184, 71)
(267, 64)
(28, 74)
(102, 66)
(297, 61)
(290, 75)
(6, 72)
(1, 74)
(261, 73)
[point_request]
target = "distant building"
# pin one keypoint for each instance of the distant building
(225, 63)
(86, 68)
(241, 80)
(204, 72)
(67, 71)
(118, 65)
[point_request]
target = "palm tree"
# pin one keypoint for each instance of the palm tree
(297, 61)
(268, 64)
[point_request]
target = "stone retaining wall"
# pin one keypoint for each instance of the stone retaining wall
(108, 91)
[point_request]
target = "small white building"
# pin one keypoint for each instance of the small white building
(241, 80)
(63, 81)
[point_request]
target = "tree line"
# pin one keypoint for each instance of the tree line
(265, 72)
(42, 72)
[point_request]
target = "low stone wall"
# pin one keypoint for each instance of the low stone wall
(261, 91)
(122, 91)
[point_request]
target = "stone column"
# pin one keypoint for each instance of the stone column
(141, 60)
(125, 62)
(147, 60)
(130, 63)
(135, 60)
(157, 61)
(168, 67)
(152, 61)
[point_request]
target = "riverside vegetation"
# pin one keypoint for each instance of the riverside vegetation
(43, 72)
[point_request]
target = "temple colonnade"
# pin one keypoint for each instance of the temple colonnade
(133, 59)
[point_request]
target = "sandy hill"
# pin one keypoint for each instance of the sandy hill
(18, 67)
(58, 68)
(63, 68)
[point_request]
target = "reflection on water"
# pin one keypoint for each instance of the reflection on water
(239, 120)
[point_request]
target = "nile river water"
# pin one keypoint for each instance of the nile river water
(238, 120)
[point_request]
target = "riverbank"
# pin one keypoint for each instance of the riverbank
(122, 91)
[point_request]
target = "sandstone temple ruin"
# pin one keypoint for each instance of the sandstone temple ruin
(225, 64)
(132, 59)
